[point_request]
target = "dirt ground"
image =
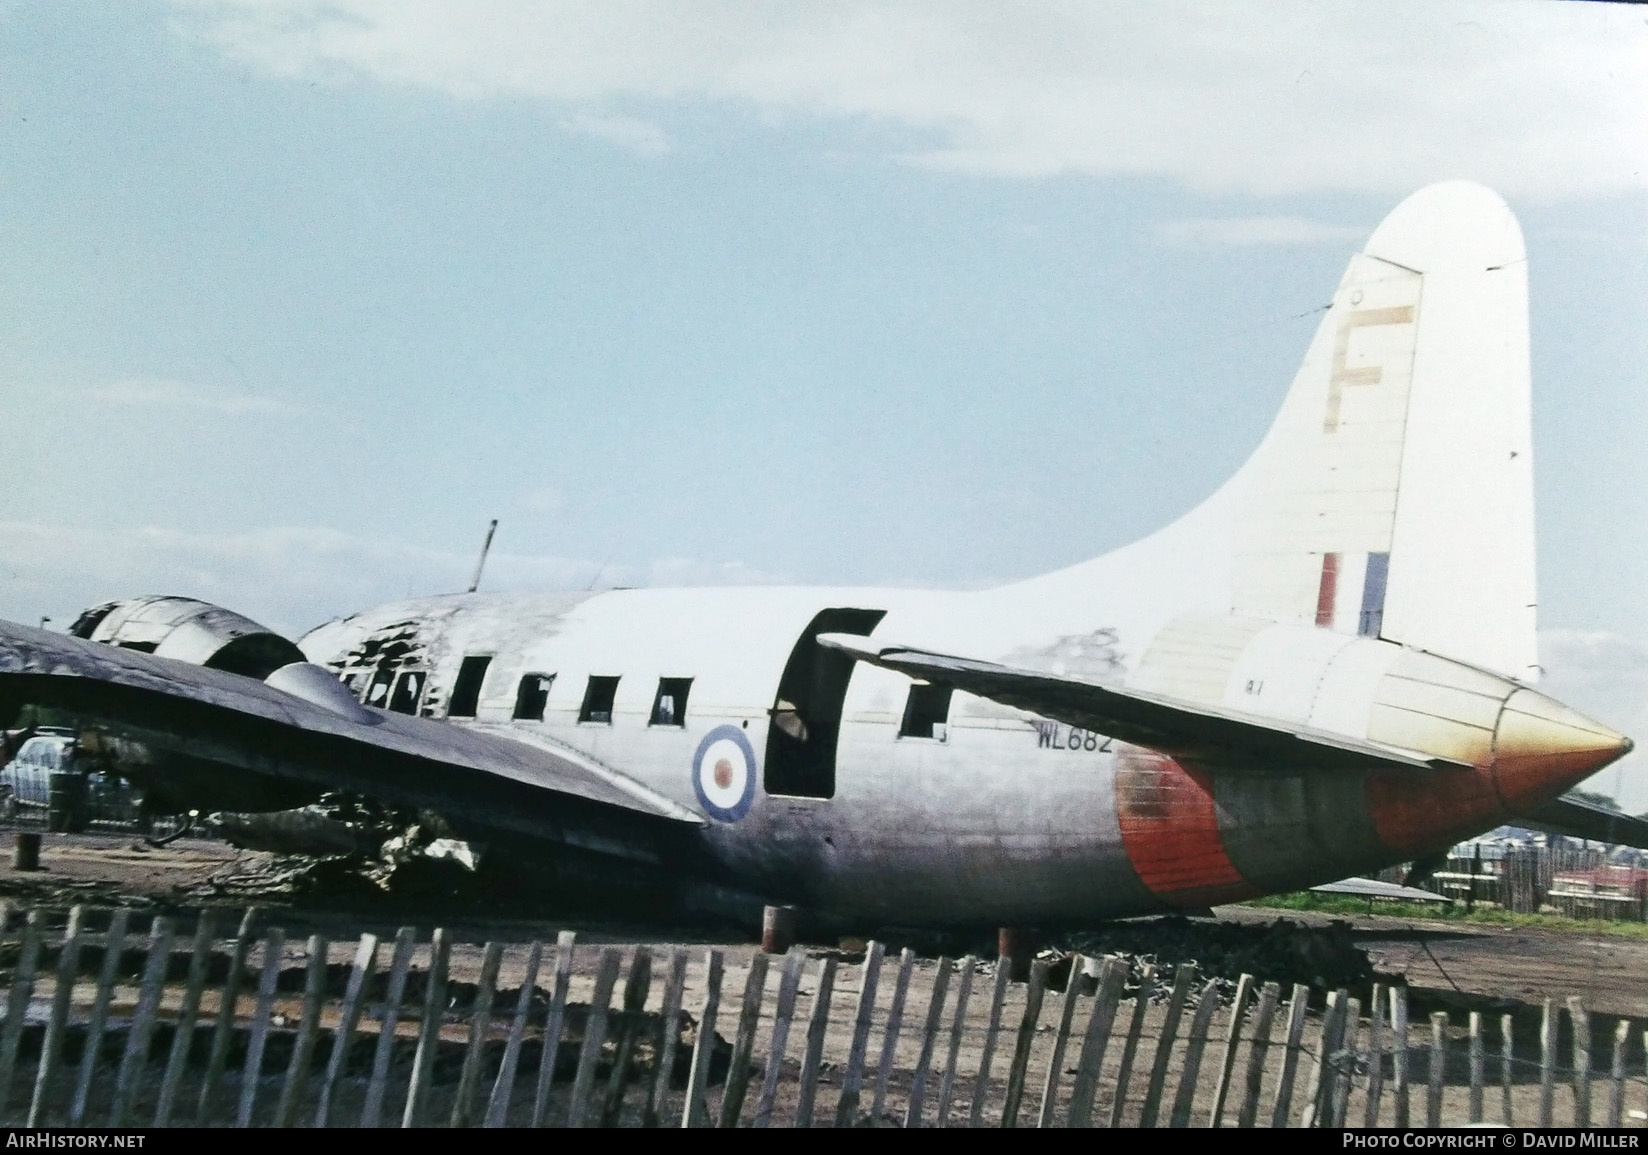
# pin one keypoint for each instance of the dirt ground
(1609, 972)
(1529, 964)
(1449, 967)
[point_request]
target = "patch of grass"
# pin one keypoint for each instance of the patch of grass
(1306, 900)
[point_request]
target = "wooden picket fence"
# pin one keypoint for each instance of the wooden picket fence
(112, 1027)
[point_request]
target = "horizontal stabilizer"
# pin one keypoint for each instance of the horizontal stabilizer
(1579, 819)
(1161, 723)
(1373, 888)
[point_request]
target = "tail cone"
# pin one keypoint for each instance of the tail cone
(1542, 748)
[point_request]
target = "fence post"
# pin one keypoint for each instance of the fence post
(400, 961)
(136, 1056)
(749, 1015)
(694, 1111)
(480, 1025)
(595, 1034)
(1399, 1055)
(1580, 1019)
(992, 1030)
(1547, 1063)
(852, 1079)
(789, 982)
(303, 1047)
(1616, 1086)
(669, 1037)
(1112, 977)
(929, 1040)
(1130, 1048)
(1055, 1063)
(633, 1007)
(1270, 995)
(429, 1026)
(22, 987)
(114, 944)
(554, 1021)
(1321, 1075)
(1507, 1069)
(187, 1014)
(1439, 1067)
(1184, 974)
(274, 942)
(1227, 1064)
(818, 1022)
(947, 1084)
(51, 1047)
(1185, 1101)
(1298, 1005)
(223, 1029)
(1033, 992)
(1477, 1061)
(1344, 1063)
(1376, 1056)
(343, 1035)
(889, 1035)
(503, 1086)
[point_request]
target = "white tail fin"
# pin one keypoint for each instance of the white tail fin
(1393, 496)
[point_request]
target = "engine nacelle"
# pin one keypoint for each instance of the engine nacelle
(189, 631)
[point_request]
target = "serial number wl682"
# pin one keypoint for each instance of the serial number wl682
(1058, 736)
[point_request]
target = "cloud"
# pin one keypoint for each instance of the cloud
(1604, 675)
(1257, 231)
(290, 577)
(163, 393)
(627, 132)
(547, 499)
(1542, 100)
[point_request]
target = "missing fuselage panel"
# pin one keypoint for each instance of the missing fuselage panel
(806, 714)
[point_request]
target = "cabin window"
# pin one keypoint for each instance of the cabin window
(598, 697)
(926, 712)
(377, 690)
(669, 708)
(466, 693)
(408, 690)
(532, 697)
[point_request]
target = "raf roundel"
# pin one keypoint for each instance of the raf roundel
(723, 773)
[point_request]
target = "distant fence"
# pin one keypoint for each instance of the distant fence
(110, 1024)
(1571, 880)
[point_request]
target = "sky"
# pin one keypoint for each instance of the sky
(296, 295)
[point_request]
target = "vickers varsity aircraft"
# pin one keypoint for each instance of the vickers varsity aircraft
(1324, 669)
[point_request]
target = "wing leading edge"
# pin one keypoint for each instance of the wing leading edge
(235, 723)
(1143, 719)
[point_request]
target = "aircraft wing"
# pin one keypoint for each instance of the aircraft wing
(1373, 888)
(303, 727)
(1161, 723)
(1579, 819)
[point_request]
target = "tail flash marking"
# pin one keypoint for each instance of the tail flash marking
(1373, 595)
(1327, 593)
(1362, 374)
(1350, 598)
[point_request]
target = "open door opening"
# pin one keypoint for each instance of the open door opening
(806, 714)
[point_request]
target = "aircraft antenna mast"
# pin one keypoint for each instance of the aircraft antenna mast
(480, 562)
